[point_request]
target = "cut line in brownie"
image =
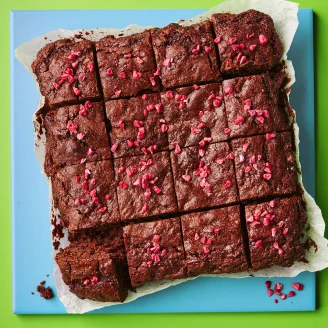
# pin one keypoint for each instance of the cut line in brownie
(274, 232)
(85, 194)
(213, 241)
(255, 105)
(91, 273)
(126, 65)
(75, 134)
(204, 177)
(265, 165)
(195, 115)
(137, 125)
(144, 186)
(247, 43)
(185, 54)
(65, 71)
(154, 251)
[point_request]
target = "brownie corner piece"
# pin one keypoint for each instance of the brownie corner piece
(247, 43)
(144, 186)
(204, 177)
(274, 232)
(213, 241)
(91, 273)
(66, 72)
(255, 104)
(137, 125)
(85, 195)
(126, 65)
(185, 54)
(265, 165)
(154, 251)
(75, 134)
(195, 115)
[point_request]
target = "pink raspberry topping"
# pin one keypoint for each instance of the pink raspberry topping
(167, 62)
(263, 39)
(228, 184)
(207, 49)
(122, 75)
(218, 39)
(114, 147)
(80, 136)
(123, 185)
(109, 72)
(72, 126)
(239, 120)
(298, 286)
(259, 243)
(76, 91)
(169, 94)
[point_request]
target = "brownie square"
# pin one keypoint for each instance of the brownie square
(213, 241)
(204, 178)
(154, 251)
(91, 273)
(194, 113)
(65, 71)
(265, 165)
(85, 195)
(75, 134)
(126, 65)
(247, 43)
(144, 186)
(255, 104)
(137, 125)
(185, 54)
(274, 232)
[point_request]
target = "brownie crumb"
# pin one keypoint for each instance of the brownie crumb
(42, 282)
(47, 275)
(45, 292)
(32, 293)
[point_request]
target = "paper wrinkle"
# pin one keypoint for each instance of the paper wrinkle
(284, 15)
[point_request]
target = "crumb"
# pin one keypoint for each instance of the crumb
(45, 292)
(32, 293)
(47, 275)
(42, 282)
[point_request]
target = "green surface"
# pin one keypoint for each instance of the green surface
(319, 318)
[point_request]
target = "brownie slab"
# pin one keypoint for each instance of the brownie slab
(204, 177)
(274, 230)
(65, 71)
(255, 105)
(126, 65)
(144, 186)
(91, 273)
(213, 241)
(194, 113)
(265, 165)
(85, 195)
(247, 43)
(185, 54)
(154, 251)
(137, 125)
(75, 134)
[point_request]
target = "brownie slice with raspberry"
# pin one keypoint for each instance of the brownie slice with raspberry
(247, 43)
(154, 251)
(126, 65)
(144, 186)
(213, 241)
(185, 54)
(265, 165)
(204, 177)
(66, 72)
(75, 134)
(85, 195)
(137, 125)
(195, 115)
(274, 232)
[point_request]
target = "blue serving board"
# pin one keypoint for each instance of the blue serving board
(30, 206)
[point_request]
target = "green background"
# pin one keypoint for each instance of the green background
(319, 318)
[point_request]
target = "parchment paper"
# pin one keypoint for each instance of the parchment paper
(284, 15)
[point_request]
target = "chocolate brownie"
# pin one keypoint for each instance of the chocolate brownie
(265, 165)
(126, 65)
(65, 71)
(137, 125)
(247, 43)
(154, 251)
(91, 273)
(213, 241)
(204, 177)
(274, 231)
(75, 134)
(85, 195)
(255, 104)
(144, 186)
(185, 54)
(195, 115)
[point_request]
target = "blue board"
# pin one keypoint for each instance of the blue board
(30, 206)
